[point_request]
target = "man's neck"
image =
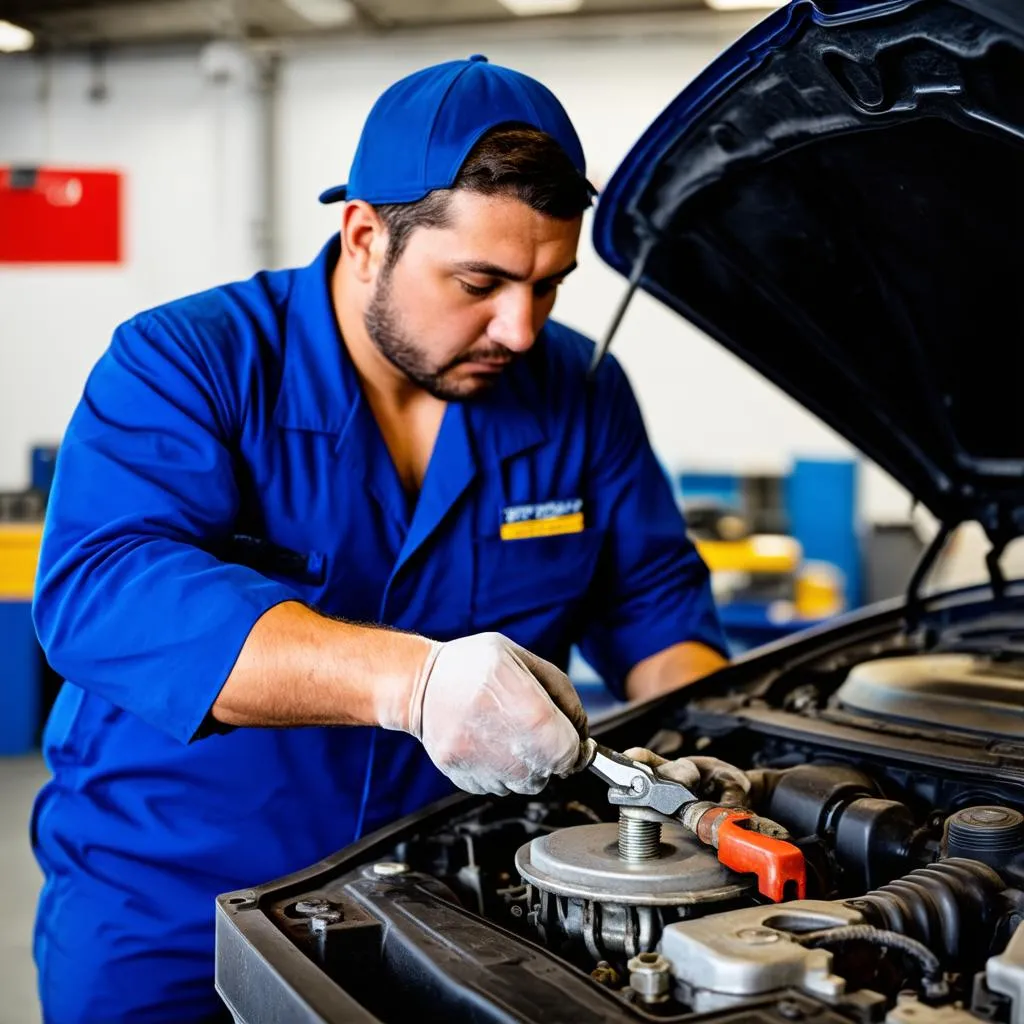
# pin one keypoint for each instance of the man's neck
(409, 418)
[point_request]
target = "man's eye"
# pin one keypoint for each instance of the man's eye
(547, 288)
(477, 290)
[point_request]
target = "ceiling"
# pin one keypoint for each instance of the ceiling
(59, 23)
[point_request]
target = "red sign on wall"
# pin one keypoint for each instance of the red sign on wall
(60, 215)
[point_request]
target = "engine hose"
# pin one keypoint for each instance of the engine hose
(952, 907)
(931, 970)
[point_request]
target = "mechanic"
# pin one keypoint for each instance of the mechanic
(378, 492)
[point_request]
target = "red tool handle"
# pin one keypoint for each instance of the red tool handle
(779, 866)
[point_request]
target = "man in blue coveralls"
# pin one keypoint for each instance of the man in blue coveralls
(319, 544)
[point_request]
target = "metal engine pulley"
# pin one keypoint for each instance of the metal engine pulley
(609, 890)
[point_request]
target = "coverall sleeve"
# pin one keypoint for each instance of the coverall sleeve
(653, 589)
(130, 603)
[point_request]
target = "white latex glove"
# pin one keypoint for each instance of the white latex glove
(492, 716)
(708, 777)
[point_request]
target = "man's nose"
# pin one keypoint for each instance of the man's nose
(513, 323)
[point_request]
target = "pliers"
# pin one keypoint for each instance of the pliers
(744, 842)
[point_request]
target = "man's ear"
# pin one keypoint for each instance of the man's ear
(364, 240)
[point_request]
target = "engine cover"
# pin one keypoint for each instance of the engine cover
(948, 691)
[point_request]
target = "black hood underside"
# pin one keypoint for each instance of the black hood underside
(840, 201)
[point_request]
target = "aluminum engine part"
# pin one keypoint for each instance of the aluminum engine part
(1004, 974)
(584, 861)
(583, 894)
(913, 1011)
(724, 960)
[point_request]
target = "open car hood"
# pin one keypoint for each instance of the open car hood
(839, 200)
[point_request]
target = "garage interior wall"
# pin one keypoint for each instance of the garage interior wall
(185, 126)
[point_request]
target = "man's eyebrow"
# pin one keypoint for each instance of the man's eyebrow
(493, 270)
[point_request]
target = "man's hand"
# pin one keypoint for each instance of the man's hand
(492, 716)
(708, 777)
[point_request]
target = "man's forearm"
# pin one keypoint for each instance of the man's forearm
(300, 668)
(671, 669)
(490, 715)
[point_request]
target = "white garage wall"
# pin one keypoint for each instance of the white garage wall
(189, 146)
(185, 146)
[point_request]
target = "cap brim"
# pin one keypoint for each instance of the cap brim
(334, 195)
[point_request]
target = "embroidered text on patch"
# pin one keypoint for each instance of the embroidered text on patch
(544, 519)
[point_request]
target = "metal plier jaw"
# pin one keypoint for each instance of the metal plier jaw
(632, 784)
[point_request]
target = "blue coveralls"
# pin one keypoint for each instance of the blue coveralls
(223, 460)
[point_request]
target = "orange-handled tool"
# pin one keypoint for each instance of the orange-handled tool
(779, 865)
(738, 835)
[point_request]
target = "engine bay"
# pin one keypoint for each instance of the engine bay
(563, 906)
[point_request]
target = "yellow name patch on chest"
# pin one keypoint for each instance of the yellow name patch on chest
(545, 519)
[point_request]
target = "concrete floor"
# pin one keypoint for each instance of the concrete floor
(20, 779)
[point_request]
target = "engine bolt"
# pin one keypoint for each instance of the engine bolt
(389, 869)
(321, 922)
(790, 1010)
(639, 839)
(605, 974)
(308, 908)
(650, 977)
(758, 936)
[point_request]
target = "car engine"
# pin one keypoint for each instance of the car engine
(906, 900)
(564, 906)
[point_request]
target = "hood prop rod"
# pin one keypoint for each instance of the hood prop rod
(636, 275)
(914, 598)
(993, 560)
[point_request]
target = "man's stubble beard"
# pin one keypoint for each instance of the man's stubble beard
(385, 331)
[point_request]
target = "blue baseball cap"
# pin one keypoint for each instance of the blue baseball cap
(419, 133)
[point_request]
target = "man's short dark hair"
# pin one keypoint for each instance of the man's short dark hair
(511, 160)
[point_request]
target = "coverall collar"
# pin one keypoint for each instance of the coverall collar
(319, 387)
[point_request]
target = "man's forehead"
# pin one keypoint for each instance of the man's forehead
(465, 206)
(505, 232)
